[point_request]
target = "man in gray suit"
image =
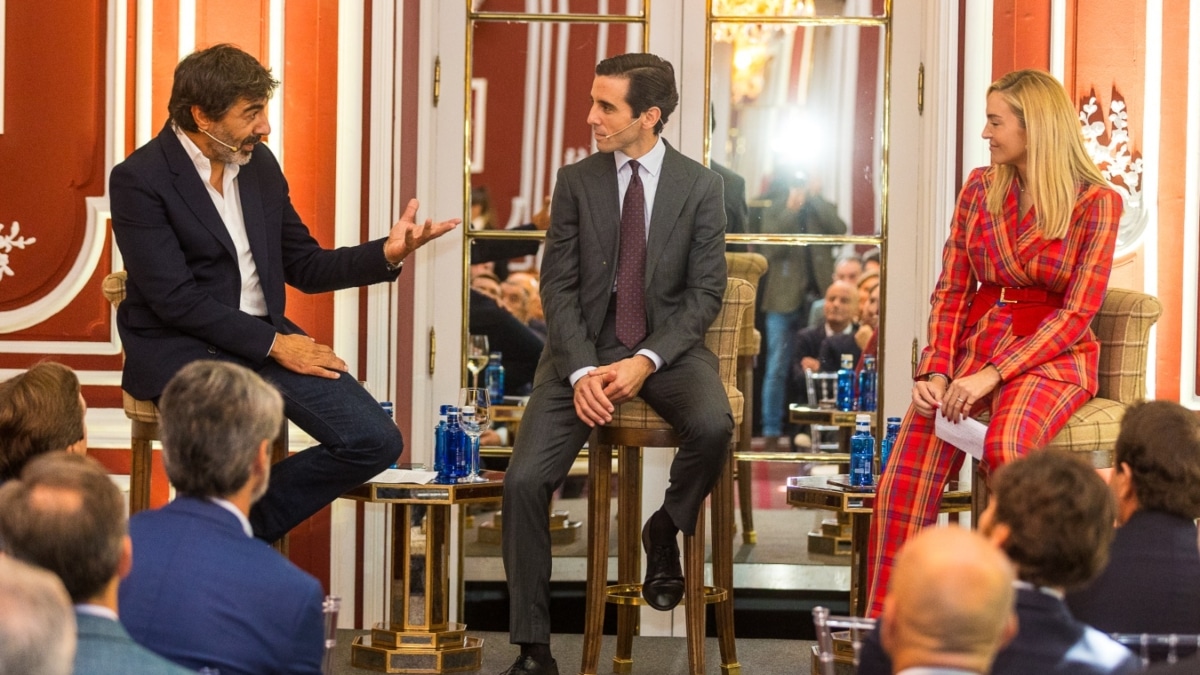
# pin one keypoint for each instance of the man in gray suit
(632, 276)
(66, 515)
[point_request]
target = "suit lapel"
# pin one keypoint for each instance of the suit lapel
(191, 188)
(606, 206)
(674, 184)
(256, 224)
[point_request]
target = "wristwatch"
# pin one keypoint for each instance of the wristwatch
(395, 267)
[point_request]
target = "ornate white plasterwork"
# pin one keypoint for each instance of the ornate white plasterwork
(14, 239)
(1118, 163)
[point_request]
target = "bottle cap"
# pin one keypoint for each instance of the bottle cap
(862, 419)
(893, 420)
(445, 409)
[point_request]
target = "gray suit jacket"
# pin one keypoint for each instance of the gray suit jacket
(685, 261)
(105, 648)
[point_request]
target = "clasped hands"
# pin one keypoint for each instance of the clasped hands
(598, 393)
(954, 398)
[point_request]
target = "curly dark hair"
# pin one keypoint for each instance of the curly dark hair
(215, 79)
(651, 83)
(1060, 513)
(1160, 442)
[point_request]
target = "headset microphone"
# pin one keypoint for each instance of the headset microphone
(630, 125)
(232, 148)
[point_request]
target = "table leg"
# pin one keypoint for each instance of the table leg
(860, 530)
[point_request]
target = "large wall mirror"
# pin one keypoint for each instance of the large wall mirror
(797, 92)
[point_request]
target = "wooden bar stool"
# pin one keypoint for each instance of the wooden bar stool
(635, 426)
(751, 267)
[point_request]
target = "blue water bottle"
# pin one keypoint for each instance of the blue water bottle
(867, 381)
(440, 463)
(862, 453)
(845, 383)
(456, 450)
(889, 442)
(493, 375)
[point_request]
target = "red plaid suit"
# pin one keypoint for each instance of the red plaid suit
(1045, 376)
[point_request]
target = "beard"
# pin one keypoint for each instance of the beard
(239, 157)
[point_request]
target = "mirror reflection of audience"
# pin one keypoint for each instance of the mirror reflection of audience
(500, 256)
(37, 628)
(796, 276)
(1152, 582)
(867, 335)
(846, 269)
(819, 348)
(520, 296)
(41, 410)
(1052, 515)
(519, 346)
(871, 262)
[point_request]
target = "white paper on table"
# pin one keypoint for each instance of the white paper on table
(967, 435)
(418, 476)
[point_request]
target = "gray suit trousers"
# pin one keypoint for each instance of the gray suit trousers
(687, 393)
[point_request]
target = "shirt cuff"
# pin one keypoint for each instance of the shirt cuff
(578, 375)
(272, 347)
(658, 361)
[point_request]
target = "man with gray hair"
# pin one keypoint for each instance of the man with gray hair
(65, 514)
(37, 630)
(204, 592)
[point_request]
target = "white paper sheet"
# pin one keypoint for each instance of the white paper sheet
(418, 476)
(967, 435)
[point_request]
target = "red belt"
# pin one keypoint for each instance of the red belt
(1029, 305)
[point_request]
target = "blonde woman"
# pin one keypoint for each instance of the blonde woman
(1023, 273)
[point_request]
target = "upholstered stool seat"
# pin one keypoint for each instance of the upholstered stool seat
(636, 426)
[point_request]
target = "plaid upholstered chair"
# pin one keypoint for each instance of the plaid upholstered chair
(636, 426)
(1123, 328)
(751, 267)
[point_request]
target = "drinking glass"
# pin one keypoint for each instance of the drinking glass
(474, 418)
(477, 356)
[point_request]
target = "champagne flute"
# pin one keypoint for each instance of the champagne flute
(477, 356)
(474, 418)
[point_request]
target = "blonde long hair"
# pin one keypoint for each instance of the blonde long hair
(1057, 160)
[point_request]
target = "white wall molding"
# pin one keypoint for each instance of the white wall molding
(1152, 155)
(1191, 233)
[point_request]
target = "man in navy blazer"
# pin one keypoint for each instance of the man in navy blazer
(204, 592)
(66, 515)
(1152, 582)
(603, 348)
(209, 236)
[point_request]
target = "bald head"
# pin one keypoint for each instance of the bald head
(841, 304)
(950, 602)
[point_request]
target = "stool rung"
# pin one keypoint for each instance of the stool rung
(631, 594)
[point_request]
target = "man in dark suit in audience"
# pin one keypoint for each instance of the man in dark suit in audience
(65, 514)
(1052, 515)
(204, 592)
(820, 347)
(1152, 582)
(950, 605)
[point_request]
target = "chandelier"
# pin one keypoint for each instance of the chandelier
(750, 41)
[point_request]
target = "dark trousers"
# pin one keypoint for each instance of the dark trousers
(355, 438)
(688, 394)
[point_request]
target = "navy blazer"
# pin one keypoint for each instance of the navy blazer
(204, 594)
(184, 285)
(104, 648)
(1152, 582)
(1048, 640)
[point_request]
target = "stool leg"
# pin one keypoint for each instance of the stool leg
(722, 561)
(745, 382)
(629, 548)
(279, 452)
(141, 441)
(745, 481)
(599, 473)
(693, 595)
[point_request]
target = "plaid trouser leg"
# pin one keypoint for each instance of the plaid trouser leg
(1027, 412)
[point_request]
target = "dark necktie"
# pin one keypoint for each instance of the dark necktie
(631, 264)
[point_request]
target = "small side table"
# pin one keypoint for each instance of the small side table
(419, 638)
(817, 492)
(842, 419)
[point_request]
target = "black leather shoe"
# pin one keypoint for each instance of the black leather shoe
(663, 587)
(525, 665)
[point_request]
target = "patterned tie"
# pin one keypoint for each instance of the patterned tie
(631, 264)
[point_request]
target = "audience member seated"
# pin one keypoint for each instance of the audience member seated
(1152, 582)
(41, 410)
(204, 592)
(519, 294)
(65, 514)
(820, 347)
(488, 284)
(1052, 515)
(867, 335)
(950, 606)
(37, 631)
(846, 269)
(871, 261)
(519, 346)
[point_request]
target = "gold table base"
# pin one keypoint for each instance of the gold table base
(389, 651)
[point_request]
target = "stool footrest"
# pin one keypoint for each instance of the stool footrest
(631, 594)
